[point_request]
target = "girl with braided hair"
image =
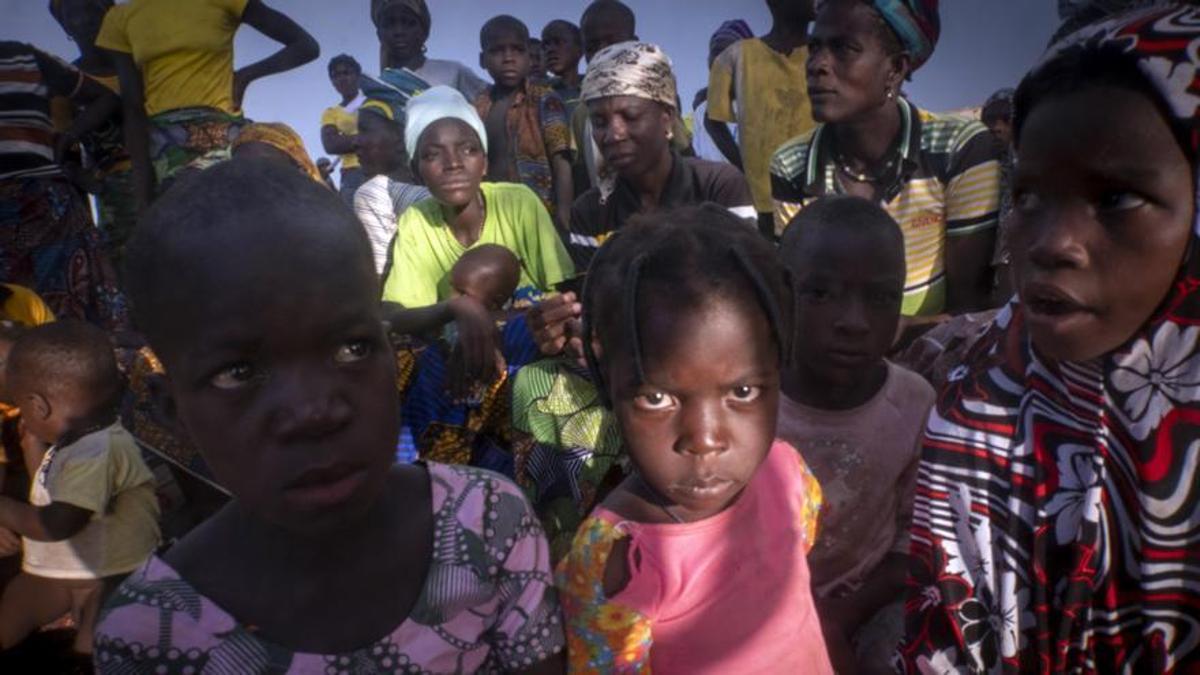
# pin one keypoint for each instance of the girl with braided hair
(696, 561)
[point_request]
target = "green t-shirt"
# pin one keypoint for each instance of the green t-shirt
(425, 249)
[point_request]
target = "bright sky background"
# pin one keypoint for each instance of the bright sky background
(985, 44)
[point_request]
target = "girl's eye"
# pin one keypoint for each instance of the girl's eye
(234, 377)
(1120, 201)
(745, 393)
(352, 352)
(655, 400)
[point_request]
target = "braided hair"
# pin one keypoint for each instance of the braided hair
(699, 253)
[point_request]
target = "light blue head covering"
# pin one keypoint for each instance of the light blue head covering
(439, 103)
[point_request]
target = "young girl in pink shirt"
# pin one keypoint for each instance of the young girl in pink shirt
(696, 562)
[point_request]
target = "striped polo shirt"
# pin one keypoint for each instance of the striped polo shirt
(949, 186)
(28, 78)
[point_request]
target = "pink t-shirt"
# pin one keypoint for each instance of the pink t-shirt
(728, 594)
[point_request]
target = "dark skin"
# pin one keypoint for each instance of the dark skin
(537, 59)
(632, 135)
(789, 32)
(294, 410)
(299, 48)
(563, 53)
(81, 20)
(849, 289)
(451, 162)
(853, 83)
(379, 145)
(507, 59)
(50, 415)
(697, 428)
(602, 28)
(1101, 220)
(489, 273)
(344, 77)
(401, 33)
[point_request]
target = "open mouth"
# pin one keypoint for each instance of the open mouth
(1051, 301)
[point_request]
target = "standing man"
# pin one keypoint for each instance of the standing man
(339, 123)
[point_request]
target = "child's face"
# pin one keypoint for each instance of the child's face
(506, 58)
(451, 161)
(345, 79)
(537, 58)
(293, 407)
(1101, 220)
(488, 286)
(849, 290)
(401, 33)
(562, 53)
(704, 418)
(604, 29)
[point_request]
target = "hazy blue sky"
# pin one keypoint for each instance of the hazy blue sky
(985, 44)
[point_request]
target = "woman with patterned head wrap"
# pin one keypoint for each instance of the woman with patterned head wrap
(403, 29)
(630, 93)
(1057, 510)
(936, 175)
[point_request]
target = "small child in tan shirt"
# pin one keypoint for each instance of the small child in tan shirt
(92, 516)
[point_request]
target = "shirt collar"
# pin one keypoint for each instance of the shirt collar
(820, 154)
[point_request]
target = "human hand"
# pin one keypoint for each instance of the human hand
(474, 359)
(555, 323)
(10, 543)
(63, 143)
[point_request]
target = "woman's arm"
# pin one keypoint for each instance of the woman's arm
(136, 127)
(298, 47)
(335, 142)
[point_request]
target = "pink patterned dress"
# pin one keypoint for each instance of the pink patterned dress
(488, 604)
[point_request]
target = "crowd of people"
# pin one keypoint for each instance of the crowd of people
(558, 377)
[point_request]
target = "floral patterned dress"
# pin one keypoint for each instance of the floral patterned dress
(1056, 525)
(488, 604)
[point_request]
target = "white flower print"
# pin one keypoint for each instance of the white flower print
(1155, 376)
(1176, 78)
(1016, 615)
(1078, 496)
(941, 662)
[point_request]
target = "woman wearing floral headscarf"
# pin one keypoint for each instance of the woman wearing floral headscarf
(629, 90)
(1057, 512)
(936, 175)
